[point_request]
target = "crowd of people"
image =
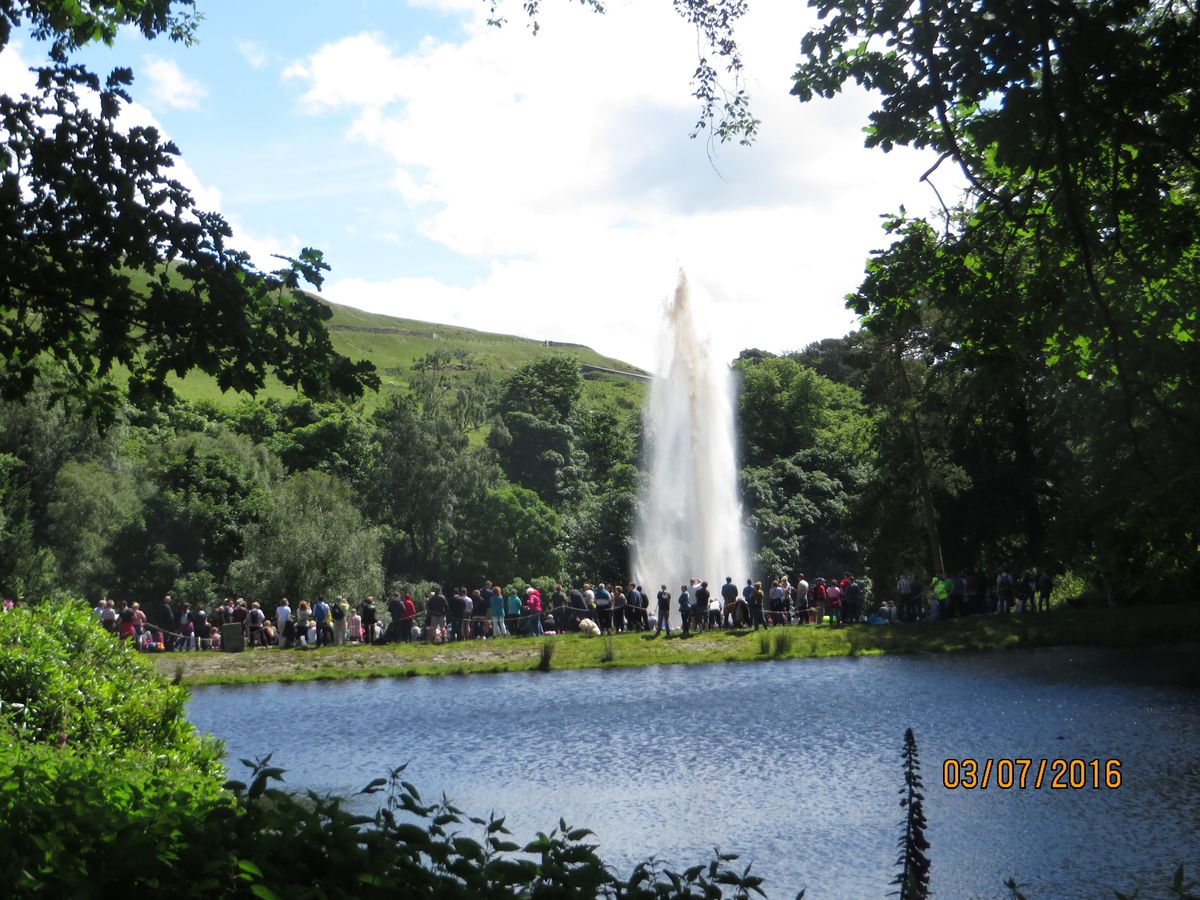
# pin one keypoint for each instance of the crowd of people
(495, 611)
(951, 596)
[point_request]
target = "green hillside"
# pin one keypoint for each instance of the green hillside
(394, 345)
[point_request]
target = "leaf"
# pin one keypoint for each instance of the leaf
(374, 786)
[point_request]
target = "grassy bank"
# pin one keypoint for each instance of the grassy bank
(1104, 627)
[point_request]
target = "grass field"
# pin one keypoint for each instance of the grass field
(1142, 626)
(393, 345)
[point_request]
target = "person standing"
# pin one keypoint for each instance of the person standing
(200, 626)
(455, 624)
(802, 605)
(756, 607)
(283, 622)
(302, 617)
(436, 608)
(620, 603)
(589, 604)
(370, 615)
(480, 610)
(714, 608)
(853, 600)
(408, 616)
(577, 611)
(604, 616)
(786, 600)
(635, 614)
(558, 603)
(496, 607)
(512, 611)
(729, 594)
(819, 599)
(338, 615)
(1045, 585)
(904, 594)
(533, 599)
(126, 621)
(395, 609)
(321, 618)
(833, 602)
(702, 606)
(184, 639)
(664, 611)
(254, 625)
(485, 595)
(775, 598)
(1004, 592)
(685, 609)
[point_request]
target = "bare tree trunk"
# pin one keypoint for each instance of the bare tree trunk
(935, 544)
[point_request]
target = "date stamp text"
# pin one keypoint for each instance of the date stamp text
(1031, 774)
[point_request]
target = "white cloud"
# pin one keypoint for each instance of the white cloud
(264, 249)
(254, 53)
(169, 87)
(562, 162)
(15, 78)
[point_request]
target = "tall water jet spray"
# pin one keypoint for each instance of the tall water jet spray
(689, 520)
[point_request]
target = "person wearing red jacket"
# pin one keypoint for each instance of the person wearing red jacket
(410, 616)
(533, 600)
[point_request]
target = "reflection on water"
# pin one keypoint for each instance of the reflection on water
(793, 765)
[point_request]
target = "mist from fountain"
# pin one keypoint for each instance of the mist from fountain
(689, 521)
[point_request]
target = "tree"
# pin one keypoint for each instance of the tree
(108, 262)
(92, 504)
(311, 539)
(534, 437)
(598, 533)
(1070, 270)
(514, 535)
(913, 878)
(329, 437)
(807, 450)
(428, 482)
(548, 388)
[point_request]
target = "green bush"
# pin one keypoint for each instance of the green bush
(65, 680)
(79, 822)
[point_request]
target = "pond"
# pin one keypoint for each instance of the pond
(794, 765)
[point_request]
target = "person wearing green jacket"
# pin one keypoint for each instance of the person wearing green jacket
(512, 611)
(940, 586)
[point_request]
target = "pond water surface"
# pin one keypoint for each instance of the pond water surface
(794, 765)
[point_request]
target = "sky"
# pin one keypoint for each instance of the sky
(542, 185)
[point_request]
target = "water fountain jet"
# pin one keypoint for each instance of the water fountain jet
(689, 521)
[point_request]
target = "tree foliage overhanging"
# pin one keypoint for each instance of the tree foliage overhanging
(108, 262)
(1023, 393)
(1044, 331)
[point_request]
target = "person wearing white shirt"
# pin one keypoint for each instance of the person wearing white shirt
(283, 619)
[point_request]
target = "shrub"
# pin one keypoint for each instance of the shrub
(65, 680)
(80, 822)
(547, 655)
(609, 653)
(783, 642)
